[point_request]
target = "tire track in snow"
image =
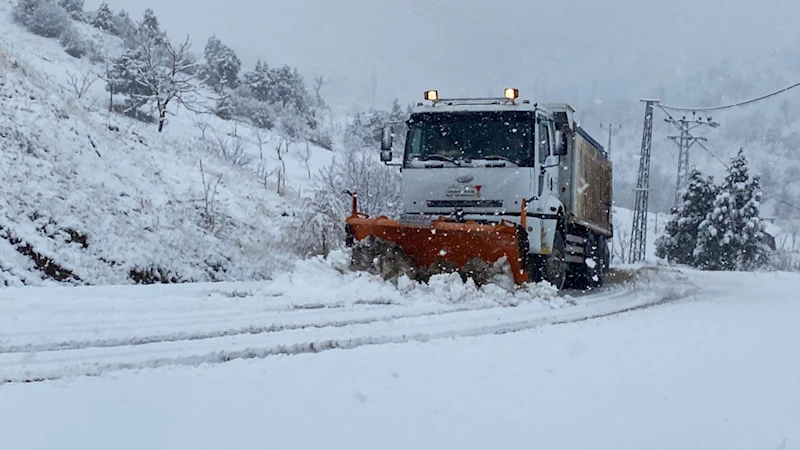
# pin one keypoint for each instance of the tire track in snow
(248, 330)
(492, 321)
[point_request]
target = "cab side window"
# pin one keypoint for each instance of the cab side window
(544, 140)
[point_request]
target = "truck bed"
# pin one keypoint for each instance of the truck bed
(590, 193)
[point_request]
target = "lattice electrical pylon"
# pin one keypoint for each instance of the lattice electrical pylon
(685, 142)
(639, 230)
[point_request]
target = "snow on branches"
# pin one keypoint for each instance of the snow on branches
(156, 72)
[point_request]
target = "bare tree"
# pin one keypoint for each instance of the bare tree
(230, 148)
(157, 72)
(201, 122)
(81, 83)
(210, 187)
(319, 83)
(261, 142)
(306, 155)
(280, 151)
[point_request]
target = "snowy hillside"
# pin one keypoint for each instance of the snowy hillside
(88, 197)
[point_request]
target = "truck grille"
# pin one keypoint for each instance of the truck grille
(465, 203)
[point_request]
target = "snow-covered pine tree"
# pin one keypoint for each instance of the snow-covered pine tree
(104, 19)
(74, 8)
(751, 250)
(258, 81)
(287, 89)
(149, 25)
(124, 26)
(222, 65)
(716, 240)
(732, 236)
(680, 238)
(398, 114)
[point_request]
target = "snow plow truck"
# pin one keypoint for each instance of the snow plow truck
(492, 179)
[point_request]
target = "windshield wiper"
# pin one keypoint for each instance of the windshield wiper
(498, 158)
(440, 158)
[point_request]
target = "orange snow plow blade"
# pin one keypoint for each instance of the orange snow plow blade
(445, 241)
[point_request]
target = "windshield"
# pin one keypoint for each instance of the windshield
(461, 137)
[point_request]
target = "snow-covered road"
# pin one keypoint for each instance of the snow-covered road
(98, 330)
(672, 360)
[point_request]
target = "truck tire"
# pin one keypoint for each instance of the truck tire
(555, 265)
(590, 273)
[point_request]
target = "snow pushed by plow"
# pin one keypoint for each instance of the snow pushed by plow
(319, 305)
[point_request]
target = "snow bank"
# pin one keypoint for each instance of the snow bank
(332, 279)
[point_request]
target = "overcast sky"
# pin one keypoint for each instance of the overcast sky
(552, 51)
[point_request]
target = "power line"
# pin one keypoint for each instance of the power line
(769, 194)
(733, 105)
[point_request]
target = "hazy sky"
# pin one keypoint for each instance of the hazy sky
(551, 50)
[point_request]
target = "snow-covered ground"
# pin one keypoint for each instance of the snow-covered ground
(324, 359)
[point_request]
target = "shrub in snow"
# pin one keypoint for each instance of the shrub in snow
(49, 20)
(23, 10)
(321, 224)
(224, 109)
(74, 8)
(75, 44)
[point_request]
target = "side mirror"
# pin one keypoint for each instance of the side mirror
(386, 139)
(386, 156)
(551, 161)
(561, 144)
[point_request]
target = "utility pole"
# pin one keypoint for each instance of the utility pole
(639, 229)
(684, 143)
(611, 129)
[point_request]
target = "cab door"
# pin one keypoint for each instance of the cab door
(543, 144)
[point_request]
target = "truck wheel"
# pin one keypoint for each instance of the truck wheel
(555, 265)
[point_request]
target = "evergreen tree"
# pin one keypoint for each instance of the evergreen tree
(258, 81)
(732, 236)
(681, 231)
(222, 65)
(397, 114)
(716, 241)
(104, 19)
(123, 25)
(751, 250)
(149, 25)
(287, 89)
